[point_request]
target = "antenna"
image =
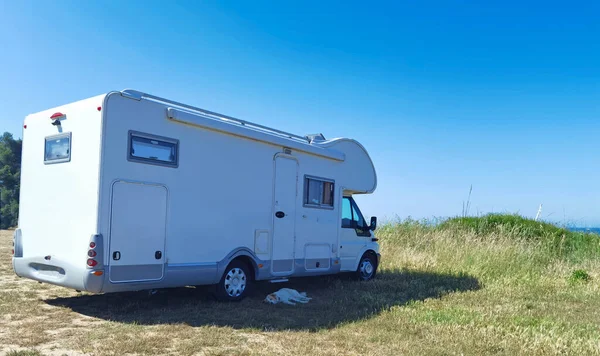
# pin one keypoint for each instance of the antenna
(537, 216)
(467, 205)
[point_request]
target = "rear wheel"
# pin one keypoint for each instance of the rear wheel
(367, 267)
(235, 283)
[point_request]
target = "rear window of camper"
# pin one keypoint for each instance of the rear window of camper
(58, 148)
(318, 192)
(151, 149)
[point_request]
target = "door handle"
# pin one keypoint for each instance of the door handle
(116, 255)
(157, 255)
(280, 214)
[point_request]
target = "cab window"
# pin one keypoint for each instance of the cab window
(346, 213)
(352, 217)
(358, 217)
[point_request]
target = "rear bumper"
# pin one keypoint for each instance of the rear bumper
(60, 273)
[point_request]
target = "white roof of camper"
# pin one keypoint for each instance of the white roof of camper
(191, 115)
(312, 144)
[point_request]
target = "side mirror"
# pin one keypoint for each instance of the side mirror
(373, 225)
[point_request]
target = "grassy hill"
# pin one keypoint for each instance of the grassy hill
(499, 284)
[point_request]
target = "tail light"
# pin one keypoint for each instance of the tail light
(92, 262)
(94, 253)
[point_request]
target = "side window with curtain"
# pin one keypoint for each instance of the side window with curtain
(318, 192)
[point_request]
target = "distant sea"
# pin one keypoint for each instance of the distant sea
(595, 230)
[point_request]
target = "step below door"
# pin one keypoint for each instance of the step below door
(137, 232)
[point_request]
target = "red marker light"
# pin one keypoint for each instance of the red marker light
(92, 244)
(91, 262)
(24, 126)
(57, 115)
(99, 108)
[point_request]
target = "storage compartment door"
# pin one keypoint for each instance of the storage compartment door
(137, 232)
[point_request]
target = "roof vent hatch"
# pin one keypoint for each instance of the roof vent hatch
(315, 138)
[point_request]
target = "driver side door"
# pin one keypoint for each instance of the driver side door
(354, 234)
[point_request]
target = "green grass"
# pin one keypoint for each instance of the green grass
(579, 275)
(555, 240)
(498, 284)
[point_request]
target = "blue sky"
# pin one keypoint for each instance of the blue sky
(504, 96)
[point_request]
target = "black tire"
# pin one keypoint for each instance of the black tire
(235, 282)
(367, 267)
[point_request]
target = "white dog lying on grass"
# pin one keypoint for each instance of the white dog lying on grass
(287, 296)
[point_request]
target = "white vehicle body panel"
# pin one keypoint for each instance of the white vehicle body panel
(180, 219)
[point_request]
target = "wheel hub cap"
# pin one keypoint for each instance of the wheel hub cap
(235, 282)
(366, 268)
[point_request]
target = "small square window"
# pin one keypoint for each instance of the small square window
(57, 148)
(151, 149)
(318, 192)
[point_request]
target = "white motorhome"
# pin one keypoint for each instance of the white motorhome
(128, 191)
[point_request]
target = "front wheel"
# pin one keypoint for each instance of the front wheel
(367, 267)
(235, 283)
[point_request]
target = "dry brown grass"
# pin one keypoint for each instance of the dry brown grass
(436, 294)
